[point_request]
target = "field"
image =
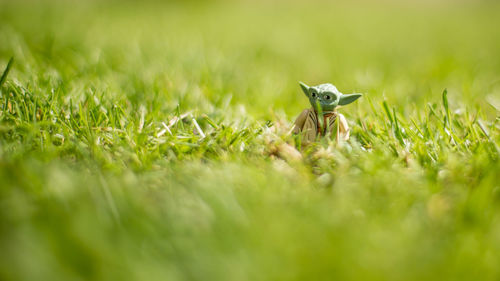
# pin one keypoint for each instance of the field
(143, 140)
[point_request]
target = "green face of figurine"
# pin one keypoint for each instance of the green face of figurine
(327, 97)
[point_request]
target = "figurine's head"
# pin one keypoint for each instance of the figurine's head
(327, 97)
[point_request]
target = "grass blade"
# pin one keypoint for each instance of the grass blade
(388, 111)
(446, 109)
(6, 71)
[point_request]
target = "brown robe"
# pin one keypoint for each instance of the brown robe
(307, 124)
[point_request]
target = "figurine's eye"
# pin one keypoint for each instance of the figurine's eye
(327, 97)
(313, 94)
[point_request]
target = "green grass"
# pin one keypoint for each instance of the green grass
(147, 141)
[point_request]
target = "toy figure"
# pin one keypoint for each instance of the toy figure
(320, 119)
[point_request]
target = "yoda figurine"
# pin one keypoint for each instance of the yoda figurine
(320, 120)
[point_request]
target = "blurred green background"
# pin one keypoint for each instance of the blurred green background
(93, 187)
(256, 52)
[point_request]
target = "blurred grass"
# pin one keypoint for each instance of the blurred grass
(95, 186)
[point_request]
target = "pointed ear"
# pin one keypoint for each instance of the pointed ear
(347, 99)
(305, 88)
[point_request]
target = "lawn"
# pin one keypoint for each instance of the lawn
(142, 140)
